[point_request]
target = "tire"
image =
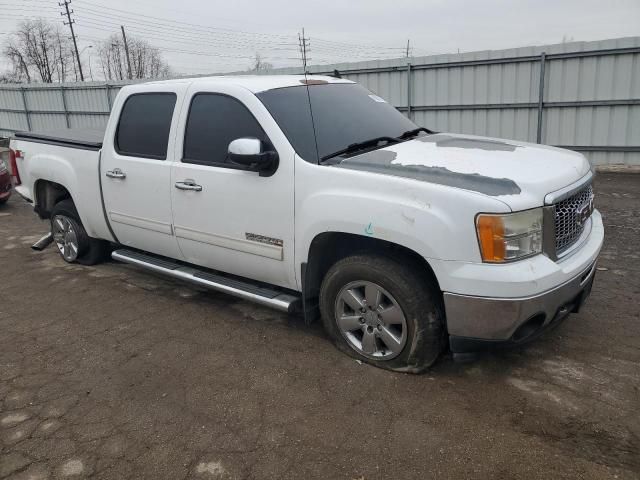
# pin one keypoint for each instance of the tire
(4, 200)
(68, 229)
(410, 342)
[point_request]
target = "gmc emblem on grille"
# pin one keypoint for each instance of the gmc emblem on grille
(584, 211)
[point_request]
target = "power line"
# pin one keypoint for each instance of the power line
(354, 45)
(240, 36)
(26, 8)
(158, 42)
(162, 39)
(329, 56)
(163, 22)
(132, 25)
(154, 29)
(220, 61)
(200, 26)
(192, 52)
(325, 48)
(128, 14)
(101, 16)
(182, 11)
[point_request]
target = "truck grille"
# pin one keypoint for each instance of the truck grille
(571, 215)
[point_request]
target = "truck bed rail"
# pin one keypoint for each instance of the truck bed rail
(83, 138)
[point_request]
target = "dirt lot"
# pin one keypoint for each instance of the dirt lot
(109, 372)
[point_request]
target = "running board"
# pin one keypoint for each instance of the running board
(263, 295)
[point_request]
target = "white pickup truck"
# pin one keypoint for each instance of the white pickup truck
(315, 195)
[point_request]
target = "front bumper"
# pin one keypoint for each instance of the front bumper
(508, 321)
(535, 294)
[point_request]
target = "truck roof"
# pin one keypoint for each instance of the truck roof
(257, 83)
(91, 138)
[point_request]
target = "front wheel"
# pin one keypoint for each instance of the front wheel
(384, 312)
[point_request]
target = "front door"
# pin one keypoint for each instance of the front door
(225, 217)
(135, 174)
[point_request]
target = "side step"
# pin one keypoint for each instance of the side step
(263, 295)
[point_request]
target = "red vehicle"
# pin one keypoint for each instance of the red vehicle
(7, 158)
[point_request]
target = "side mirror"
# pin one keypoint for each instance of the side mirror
(249, 152)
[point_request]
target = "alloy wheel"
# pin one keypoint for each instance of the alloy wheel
(65, 237)
(371, 320)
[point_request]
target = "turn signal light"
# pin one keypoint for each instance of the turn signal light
(491, 237)
(511, 236)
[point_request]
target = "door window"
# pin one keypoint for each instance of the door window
(214, 121)
(145, 121)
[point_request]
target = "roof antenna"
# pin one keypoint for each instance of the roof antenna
(304, 44)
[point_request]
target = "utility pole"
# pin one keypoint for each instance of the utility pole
(126, 50)
(304, 48)
(407, 55)
(70, 22)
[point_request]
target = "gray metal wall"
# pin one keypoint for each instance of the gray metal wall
(52, 106)
(581, 95)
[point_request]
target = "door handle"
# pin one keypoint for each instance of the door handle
(116, 173)
(188, 185)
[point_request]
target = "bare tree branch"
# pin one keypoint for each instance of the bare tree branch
(259, 64)
(146, 60)
(38, 51)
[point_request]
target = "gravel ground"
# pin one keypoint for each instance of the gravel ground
(109, 372)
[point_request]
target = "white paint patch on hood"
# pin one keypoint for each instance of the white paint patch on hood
(536, 169)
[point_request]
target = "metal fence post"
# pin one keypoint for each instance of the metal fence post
(409, 91)
(64, 106)
(26, 109)
(543, 56)
(107, 87)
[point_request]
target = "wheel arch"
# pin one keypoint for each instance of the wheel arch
(327, 248)
(46, 195)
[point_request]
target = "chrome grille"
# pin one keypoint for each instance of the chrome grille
(569, 218)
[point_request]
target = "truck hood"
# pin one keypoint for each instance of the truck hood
(518, 173)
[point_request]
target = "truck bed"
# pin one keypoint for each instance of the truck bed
(83, 138)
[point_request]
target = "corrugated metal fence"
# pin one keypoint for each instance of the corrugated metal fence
(582, 95)
(53, 106)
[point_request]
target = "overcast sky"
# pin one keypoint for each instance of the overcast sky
(202, 36)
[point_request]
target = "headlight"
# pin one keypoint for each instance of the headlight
(3, 166)
(511, 236)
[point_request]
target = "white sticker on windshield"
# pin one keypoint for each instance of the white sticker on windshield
(376, 98)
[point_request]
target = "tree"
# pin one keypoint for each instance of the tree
(39, 51)
(259, 65)
(146, 60)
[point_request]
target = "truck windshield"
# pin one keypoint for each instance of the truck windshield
(343, 114)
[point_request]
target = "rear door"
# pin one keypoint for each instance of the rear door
(235, 220)
(135, 169)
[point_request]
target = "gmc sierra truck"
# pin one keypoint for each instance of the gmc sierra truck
(313, 194)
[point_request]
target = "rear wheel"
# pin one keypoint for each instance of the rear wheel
(71, 239)
(383, 312)
(66, 237)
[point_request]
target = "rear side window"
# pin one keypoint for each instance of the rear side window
(214, 121)
(145, 121)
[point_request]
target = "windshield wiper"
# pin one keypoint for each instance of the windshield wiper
(414, 132)
(355, 147)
